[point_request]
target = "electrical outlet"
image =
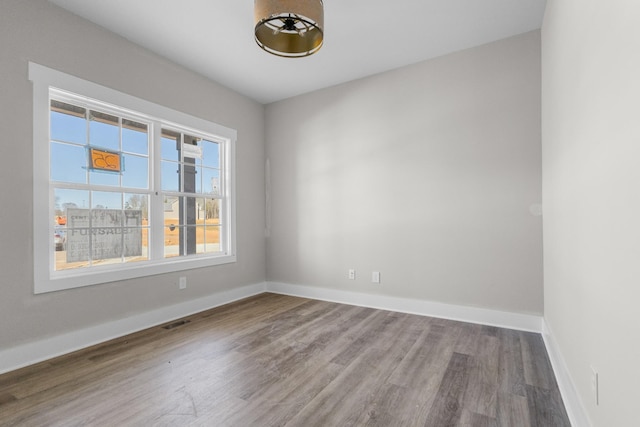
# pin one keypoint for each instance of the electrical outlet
(182, 283)
(595, 385)
(352, 274)
(375, 277)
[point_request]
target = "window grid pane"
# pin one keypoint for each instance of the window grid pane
(105, 227)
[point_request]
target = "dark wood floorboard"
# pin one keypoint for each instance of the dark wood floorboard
(275, 360)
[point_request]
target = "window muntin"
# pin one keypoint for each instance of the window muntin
(192, 193)
(112, 226)
(90, 151)
(133, 197)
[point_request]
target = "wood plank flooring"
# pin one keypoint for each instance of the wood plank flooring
(274, 360)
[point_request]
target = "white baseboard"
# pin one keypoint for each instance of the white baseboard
(38, 351)
(503, 319)
(572, 402)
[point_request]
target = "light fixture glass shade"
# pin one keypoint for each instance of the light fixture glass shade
(290, 28)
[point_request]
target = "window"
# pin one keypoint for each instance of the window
(123, 187)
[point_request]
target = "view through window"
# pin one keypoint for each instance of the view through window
(100, 164)
(123, 187)
(191, 189)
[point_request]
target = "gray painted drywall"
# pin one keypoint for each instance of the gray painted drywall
(37, 31)
(430, 174)
(591, 147)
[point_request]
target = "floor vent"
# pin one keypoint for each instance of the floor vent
(176, 324)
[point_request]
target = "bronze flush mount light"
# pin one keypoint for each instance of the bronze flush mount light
(289, 28)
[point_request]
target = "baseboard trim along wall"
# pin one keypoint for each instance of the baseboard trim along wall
(38, 351)
(503, 319)
(572, 402)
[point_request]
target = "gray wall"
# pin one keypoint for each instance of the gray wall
(37, 31)
(430, 174)
(591, 186)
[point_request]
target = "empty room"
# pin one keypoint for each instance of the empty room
(320, 213)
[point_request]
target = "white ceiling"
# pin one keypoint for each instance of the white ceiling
(362, 37)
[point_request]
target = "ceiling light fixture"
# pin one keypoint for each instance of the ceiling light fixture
(289, 28)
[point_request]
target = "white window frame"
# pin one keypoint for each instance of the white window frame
(46, 279)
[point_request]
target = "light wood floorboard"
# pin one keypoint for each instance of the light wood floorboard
(275, 360)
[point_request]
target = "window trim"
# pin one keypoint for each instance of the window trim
(44, 79)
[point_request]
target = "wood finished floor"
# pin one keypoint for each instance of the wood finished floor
(275, 360)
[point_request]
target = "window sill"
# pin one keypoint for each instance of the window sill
(62, 280)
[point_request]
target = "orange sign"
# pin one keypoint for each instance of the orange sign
(104, 160)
